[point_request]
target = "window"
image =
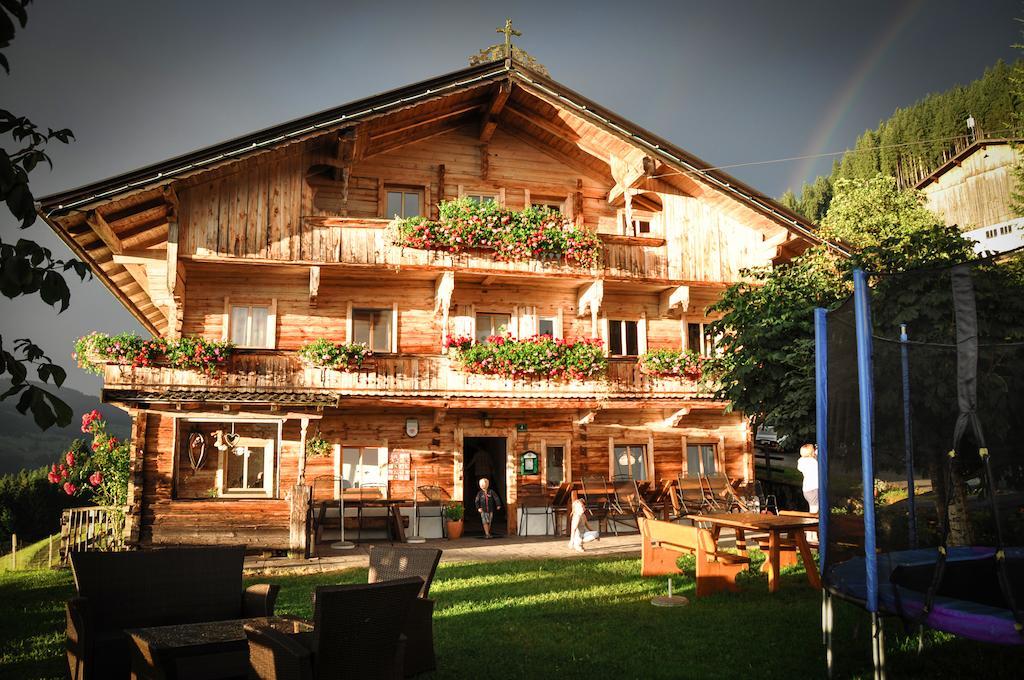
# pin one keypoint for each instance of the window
(700, 459)
(372, 327)
(225, 458)
(700, 338)
(554, 205)
(490, 323)
(481, 199)
(365, 467)
(639, 225)
(623, 338)
(546, 326)
(990, 233)
(250, 326)
(630, 461)
(404, 202)
(1007, 229)
(555, 462)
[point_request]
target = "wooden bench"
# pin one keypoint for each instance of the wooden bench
(663, 542)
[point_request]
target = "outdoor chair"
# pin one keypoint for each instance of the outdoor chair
(594, 493)
(357, 633)
(707, 491)
(434, 499)
(559, 504)
(141, 589)
(691, 496)
(625, 504)
(532, 502)
(392, 563)
(366, 492)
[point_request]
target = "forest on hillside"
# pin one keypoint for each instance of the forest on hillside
(915, 140)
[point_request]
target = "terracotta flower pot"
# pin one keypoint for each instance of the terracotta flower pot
(455, 529)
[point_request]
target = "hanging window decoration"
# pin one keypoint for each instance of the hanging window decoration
(196, 449)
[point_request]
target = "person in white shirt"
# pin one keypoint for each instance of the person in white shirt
(808, 466)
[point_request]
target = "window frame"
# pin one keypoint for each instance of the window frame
(404, 189)
(384, 311)
(704, 330)
(630, 227)
(476, 324)
(339, 467)
(553, 318)
(495, 197)
(271, 329)
(628, 449)
(549, 202)
(698, 444)
(624, 339)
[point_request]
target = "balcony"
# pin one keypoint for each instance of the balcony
(263, 376)
(364, 243)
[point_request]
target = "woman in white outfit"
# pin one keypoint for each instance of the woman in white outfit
(577, 524)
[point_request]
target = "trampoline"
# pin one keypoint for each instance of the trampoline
(920, 423)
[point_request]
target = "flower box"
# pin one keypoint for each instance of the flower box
(540, 357)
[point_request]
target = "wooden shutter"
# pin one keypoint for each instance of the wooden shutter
(559, 325)
(225, 333)
(272, 325)
(641, 333)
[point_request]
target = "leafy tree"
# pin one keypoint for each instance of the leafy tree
(26, 268)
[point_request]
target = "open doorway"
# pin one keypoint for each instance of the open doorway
(484, 457)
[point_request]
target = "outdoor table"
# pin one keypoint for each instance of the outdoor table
(201, 651)
(396, 528)
(781, 529)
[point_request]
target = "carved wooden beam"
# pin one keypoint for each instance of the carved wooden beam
(673, 419)
(629, 173)
(490, 117)
(104, 231)
(314, 284)
(443, 288)
(590, 296)
(672, 298)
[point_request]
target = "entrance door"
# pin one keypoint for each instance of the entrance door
(484, 457)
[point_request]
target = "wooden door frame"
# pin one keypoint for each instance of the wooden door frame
(509, 435)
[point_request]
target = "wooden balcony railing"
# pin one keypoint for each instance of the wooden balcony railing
(365, 242)
(260, 372)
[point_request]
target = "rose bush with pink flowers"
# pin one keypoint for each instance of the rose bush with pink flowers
(97, 470)
(537, 357)
(510, 234)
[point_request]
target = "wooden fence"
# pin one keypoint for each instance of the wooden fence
(90, 528)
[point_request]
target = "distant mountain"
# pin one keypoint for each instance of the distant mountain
(24, 446)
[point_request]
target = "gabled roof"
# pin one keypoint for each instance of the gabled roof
(162, 173)
(959, 158)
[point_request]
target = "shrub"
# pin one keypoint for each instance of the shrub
(511, 234)
(30, 506)
(323, 353)
(673, 362)
(97, 471)
(454, 511)
(130, 349)
(540, 356)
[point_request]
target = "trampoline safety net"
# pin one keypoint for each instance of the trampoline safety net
(947, 353)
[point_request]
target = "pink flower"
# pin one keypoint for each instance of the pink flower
(89, 418)
(70, 488)
(96, 478)
(70, 458)
(52, 476)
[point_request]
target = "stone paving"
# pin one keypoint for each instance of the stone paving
(466, 549)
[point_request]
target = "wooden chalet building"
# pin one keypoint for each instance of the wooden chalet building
(279, 238)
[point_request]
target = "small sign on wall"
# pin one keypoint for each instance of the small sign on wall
(400, 466)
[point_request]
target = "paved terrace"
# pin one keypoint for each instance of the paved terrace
(466, 549)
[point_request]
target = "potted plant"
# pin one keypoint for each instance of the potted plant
(453, 514)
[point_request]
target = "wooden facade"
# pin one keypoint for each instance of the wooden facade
(292, 221)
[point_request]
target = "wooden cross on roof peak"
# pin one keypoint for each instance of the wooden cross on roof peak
(509, 32)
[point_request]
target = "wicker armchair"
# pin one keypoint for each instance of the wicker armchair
(388, 564)
(118, 590)
(357, 633)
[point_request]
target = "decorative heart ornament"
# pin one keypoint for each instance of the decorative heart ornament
(196, 450)
(231, 439)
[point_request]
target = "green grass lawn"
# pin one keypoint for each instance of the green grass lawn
(573, 618)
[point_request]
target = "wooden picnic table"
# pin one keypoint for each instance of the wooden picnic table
(783, 531)
(394, 522)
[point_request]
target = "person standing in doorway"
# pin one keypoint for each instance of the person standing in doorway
(808, 466)
(487, 503)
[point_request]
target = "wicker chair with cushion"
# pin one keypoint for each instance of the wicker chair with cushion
(357, 633)
(119, 590)
(388, 564)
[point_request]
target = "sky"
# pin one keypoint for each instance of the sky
(735, 83)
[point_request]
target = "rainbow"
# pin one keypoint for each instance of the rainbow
(821, 140)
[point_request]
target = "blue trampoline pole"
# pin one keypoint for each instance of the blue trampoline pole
(821, 435)
(866, 392)
(821, 428)
(908, 437)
